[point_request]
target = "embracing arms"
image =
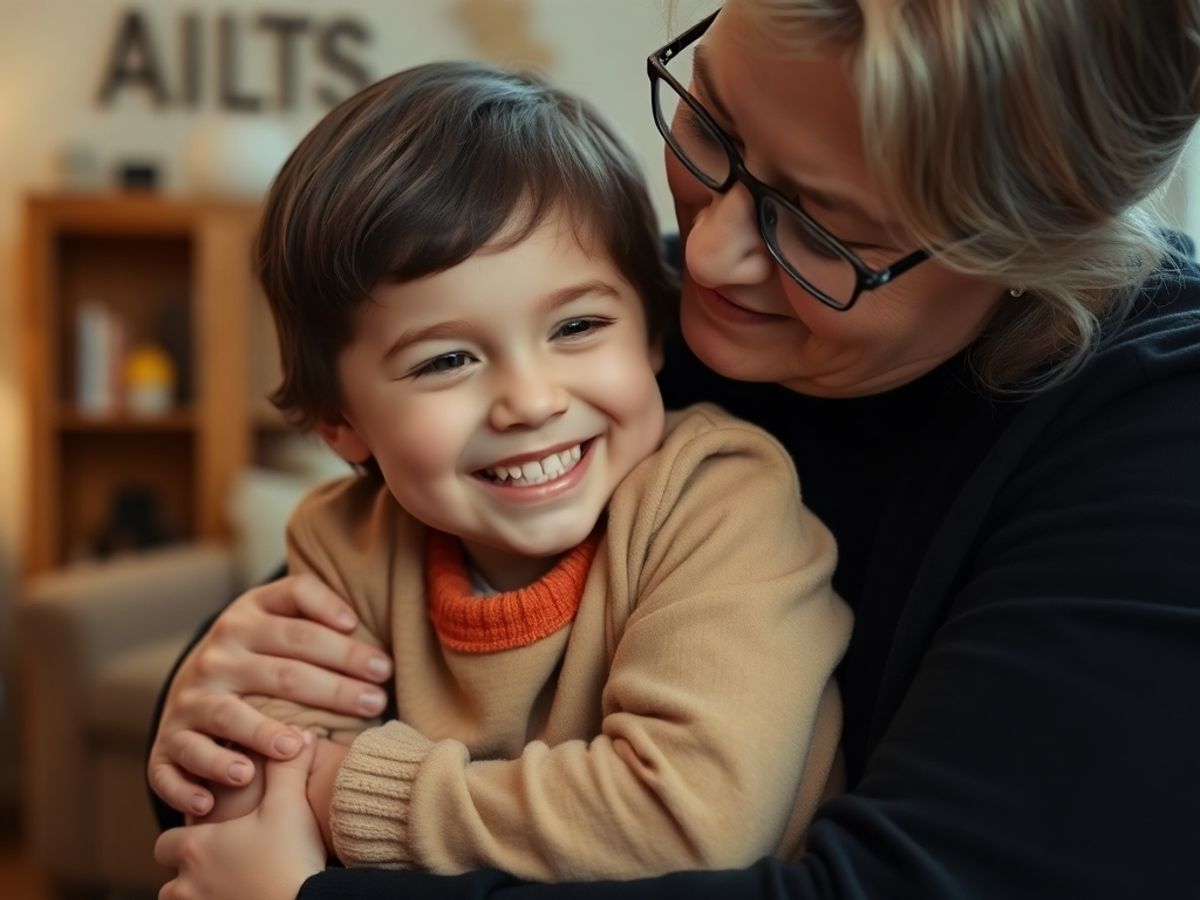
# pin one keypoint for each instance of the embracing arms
(1042, 742)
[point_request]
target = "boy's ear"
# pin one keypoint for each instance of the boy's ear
(656, 355)
(343, 440)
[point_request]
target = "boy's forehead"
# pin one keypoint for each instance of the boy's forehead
(578, 228)
(550, 265)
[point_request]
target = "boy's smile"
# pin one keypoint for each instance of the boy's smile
(505, 398)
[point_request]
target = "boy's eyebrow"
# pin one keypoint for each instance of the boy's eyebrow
(452, 328)
(563, 296)
(458, 328)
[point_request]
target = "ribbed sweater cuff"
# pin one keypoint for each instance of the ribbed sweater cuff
(372, 794)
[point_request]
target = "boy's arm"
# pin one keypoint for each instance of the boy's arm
(330, 753)
(720, 718)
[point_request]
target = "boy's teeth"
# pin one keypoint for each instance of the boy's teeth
(538, 471)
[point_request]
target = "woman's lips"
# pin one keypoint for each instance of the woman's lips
(721, 307)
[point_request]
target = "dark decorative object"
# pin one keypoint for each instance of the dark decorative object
(135, 523)
(141, 176)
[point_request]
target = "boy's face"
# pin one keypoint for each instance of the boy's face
(504, 399)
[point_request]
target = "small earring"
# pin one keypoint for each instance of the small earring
(1018, 291)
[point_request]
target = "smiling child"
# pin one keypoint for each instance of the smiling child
(595, 643)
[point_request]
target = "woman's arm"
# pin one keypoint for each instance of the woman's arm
(287, 638)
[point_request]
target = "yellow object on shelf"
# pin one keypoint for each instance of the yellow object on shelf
(149, 380)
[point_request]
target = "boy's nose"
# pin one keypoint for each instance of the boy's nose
(527, 399)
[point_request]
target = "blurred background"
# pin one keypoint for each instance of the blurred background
(145, 478)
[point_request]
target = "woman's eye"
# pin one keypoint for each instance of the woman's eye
(689, 127)
(447, 362)
(822, 249)
(575, 328)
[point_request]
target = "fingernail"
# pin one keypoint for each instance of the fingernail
(239, 772)
(199, 804)
(379, 665)
(370, 701)
(346, 619)
(286, 744)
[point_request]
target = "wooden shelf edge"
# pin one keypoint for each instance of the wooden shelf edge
(77, 422)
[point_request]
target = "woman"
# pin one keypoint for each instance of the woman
(954, 307)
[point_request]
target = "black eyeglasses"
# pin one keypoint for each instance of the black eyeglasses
(817, 260)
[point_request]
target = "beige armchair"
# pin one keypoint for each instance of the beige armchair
(95, 644)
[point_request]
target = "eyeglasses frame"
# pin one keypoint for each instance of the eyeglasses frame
(866, 278)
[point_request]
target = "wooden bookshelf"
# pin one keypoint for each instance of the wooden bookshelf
(176, 272)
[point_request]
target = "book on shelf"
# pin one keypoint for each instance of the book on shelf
(99, 351)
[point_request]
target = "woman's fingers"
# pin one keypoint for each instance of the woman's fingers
(306, 595)
(199, 723)
(175, 788)
(295, 681)
(310, 642)
(296, 617)
(287, 639)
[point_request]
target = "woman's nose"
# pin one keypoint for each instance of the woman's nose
(724, 246)
(528, 397)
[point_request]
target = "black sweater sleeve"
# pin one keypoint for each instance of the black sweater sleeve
(1041, 738)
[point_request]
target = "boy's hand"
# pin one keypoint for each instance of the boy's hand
(266, 855)
(329, 757)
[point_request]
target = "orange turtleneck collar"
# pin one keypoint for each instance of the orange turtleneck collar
(473, 624)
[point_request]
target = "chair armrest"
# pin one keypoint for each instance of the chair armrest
(85, 614)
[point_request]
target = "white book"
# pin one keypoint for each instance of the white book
(95, 346)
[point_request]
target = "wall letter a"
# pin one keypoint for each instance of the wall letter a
(133, 61)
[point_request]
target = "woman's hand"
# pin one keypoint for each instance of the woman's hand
(286, 639)
(265, 855)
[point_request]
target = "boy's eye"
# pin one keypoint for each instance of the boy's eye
(579, 327)
(447, 362)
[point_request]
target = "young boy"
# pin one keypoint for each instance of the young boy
(609, 624)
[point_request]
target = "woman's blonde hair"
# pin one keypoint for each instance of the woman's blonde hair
(1028, 141)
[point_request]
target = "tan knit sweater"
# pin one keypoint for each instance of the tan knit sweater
(684, 717)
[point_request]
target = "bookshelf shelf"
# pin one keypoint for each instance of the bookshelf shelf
(73, 420)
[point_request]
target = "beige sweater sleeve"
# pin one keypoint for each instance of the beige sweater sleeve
(347, 574)
(713, 702)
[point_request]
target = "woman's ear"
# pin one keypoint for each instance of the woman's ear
(343, 440)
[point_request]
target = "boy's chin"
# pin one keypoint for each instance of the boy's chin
(550, 544)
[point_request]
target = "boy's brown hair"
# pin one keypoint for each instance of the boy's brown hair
(413, 175)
